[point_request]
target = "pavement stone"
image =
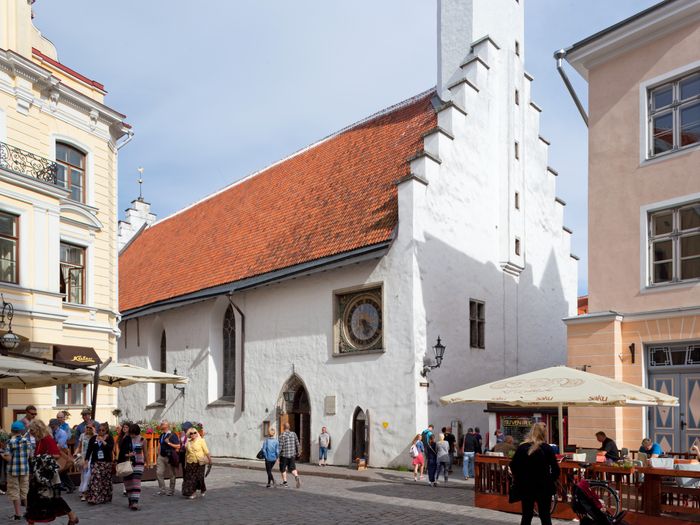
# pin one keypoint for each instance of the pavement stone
(239, 496)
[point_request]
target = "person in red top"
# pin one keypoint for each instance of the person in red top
(41, 506)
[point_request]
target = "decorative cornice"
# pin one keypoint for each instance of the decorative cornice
(545, 140)
(463, 81)
(86, 212)
(438, 129)
(559, 201)
(54, 90)
(511, 268)
(427, 154)
(552, 171)
(474, 58)
(412, 176)
(537, 107)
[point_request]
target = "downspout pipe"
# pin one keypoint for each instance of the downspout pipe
(559, 57)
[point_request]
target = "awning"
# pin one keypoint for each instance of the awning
(124, 374)
(16, 372)
(75, 355)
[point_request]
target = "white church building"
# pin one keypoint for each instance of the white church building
(314, 290)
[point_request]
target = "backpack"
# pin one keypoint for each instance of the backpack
(414, 451)
(424, 436)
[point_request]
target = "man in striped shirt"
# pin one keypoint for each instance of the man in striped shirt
(290, 449)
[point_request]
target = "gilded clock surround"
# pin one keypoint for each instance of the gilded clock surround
(359, 321)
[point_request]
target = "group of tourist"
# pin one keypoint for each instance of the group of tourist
(435, 452)
(285, 449)
(38, 462)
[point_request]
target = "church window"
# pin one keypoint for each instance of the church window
(229, 355)
(517, 97)
(163, 367)
(517, 200)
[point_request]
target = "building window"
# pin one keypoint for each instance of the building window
(674, 115)
(674, 244)
(72, 395)
(517, 97)
(516, 150)
(517, 200)
(72, 273)
(517, 48)
(71, 170)
(9, 242)
(359, 323)
(517, 246)
(477, 323)
(163, 368)
(685, 354)
(229, 351)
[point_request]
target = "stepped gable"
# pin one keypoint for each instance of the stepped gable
(336, 196)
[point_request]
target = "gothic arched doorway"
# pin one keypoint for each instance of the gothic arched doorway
(295, 409)
(360, 435)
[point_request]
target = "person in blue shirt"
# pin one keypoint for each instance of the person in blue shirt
(271, 451)
(61, 416)
(651, 449)
(61, 438)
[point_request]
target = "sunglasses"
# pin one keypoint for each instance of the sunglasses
(192, 433)
(31, 413)
(103, 430)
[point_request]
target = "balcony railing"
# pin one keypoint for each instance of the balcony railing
(28, 164)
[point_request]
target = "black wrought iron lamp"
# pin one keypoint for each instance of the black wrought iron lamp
(288, 396)
(9, 340)
(180, 389)
(439, 350)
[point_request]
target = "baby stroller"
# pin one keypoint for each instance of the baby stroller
(590, 508)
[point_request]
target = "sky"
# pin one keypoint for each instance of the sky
(217, 90)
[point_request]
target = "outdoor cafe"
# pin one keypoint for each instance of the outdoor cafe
(663, 490)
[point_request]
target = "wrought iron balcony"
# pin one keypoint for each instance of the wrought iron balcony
(28, 164)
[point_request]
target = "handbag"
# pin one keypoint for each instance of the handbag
(261, 455)
(125, 469)
(65, 461)
(174, 457)
(514, 494)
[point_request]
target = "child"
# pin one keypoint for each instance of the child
(19, 450)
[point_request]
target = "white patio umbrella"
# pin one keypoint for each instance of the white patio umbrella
(17, 372)
(124, 374)
(561, 386)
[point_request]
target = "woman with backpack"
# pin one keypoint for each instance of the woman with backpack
(44, 501)
(270, 451)
(416, 452)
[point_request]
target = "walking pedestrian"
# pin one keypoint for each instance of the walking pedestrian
(134, 453)
(19, 450)
(271, 451)
(30, 413)
(169, 447)
(44, 502)
(431, 456)
(417, 449)
(122, 443)
(324, 445)
(196, 458)
(535, 471)
(451, 441)
(80, 429)
(470, 447)
(100, 455)
(81, 453)
(480, 439)
(443, 457)
(61, 417)
(290, 449)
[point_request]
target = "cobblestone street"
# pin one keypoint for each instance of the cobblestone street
(239, 496)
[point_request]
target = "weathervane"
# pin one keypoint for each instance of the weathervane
(140, 170)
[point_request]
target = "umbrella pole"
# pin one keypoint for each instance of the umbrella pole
(95, 384)
(560, 415)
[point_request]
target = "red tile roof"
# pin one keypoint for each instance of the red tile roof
(336, 196)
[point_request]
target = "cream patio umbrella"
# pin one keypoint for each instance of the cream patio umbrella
(17, 372)
(124, 374)
(561, 386)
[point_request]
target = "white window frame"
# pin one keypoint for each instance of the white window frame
(645, 259)
(645, 134)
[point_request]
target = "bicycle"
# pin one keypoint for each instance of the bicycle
(601, 489)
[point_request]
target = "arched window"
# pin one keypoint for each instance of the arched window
(229, 353)
(163, 366)
(71, 170)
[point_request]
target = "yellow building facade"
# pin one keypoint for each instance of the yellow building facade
(643, 320)
(58, 213)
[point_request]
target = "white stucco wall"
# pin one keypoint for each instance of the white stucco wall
(454, 239)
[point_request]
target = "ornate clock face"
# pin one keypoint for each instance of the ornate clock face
(362, 321)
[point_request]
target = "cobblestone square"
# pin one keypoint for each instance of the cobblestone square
(238, 496)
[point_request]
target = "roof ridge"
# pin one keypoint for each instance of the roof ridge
(365, 120)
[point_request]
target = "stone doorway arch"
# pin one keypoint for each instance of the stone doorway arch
(360, 435)
(294, 407)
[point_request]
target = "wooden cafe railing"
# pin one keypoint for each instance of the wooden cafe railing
(646, 493)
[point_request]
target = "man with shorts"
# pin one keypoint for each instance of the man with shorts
(19, 450)
(290, 448)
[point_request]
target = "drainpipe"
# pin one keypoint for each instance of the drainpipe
(559, 57)
(240, 312)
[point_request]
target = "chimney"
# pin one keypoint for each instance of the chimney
(462, 22)
(138, 218)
